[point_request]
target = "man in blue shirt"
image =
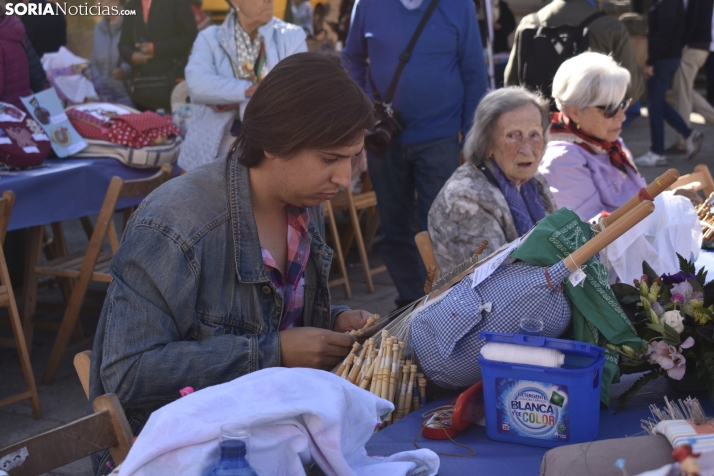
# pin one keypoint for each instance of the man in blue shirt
(435, 98)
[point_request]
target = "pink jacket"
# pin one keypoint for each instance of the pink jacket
(14, 69)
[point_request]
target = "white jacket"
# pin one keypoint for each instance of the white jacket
(211, 81)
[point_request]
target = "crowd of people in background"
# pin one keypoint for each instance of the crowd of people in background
(138, 60)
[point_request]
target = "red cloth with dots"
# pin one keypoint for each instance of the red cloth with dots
(88, 126)
(131, 130)
(140, 130)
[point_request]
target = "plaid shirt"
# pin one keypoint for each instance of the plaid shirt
(291, 285)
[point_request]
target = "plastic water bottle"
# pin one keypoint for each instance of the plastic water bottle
(233, 451)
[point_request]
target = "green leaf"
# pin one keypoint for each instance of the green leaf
(622, 289)
(636, 387)
(658, 328)
(685, 266)
(671, 336)
(702, 276)
(630, 299)
(649, 272)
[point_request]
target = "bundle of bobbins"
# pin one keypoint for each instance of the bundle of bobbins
(706, 218)
(384, 369)
(385, 364)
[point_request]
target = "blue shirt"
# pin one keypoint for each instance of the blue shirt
(446, 76)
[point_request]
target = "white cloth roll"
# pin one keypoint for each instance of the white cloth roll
(521, 354)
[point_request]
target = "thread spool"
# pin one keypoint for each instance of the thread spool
(521, 354)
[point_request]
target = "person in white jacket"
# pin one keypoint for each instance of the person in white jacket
(224, 68)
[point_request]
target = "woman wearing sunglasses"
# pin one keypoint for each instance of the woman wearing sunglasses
(586, 163)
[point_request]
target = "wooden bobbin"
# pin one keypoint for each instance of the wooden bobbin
(357, 365)
(482, 246)
(422, 392)
(410, 386)
(402, 392)
(377, 366)
(386, 370)
(349, 360)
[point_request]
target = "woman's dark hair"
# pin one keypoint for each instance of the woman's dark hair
(308, 101)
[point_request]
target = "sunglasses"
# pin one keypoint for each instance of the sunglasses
(610, 110)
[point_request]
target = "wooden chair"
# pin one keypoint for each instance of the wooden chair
(702, 175)
(330, 219)
(7, 299)
(355, 204)
(82, 362)
(106, 428)
(426, 250)
(93, 263)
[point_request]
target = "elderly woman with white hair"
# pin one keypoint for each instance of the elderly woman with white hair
(590, 170)
(498, 194)
(586, 163)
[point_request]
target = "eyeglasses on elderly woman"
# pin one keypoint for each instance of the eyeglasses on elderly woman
(610, 110)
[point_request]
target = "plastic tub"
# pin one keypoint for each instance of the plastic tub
(543, 406)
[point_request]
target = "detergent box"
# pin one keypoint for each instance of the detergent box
(543, 406)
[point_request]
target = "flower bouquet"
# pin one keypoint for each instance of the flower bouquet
(676, 328)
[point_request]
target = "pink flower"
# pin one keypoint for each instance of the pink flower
(683, 289)
(669, 357)
(679, 298)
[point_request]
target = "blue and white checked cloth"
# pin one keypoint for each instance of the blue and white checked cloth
(445, 335)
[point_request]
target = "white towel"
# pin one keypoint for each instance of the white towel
(296, 416)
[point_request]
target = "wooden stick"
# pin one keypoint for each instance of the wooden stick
(430, 276)
(422, 392)
(659, 185)
(607, 236)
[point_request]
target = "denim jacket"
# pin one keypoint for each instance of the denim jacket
(190, 303)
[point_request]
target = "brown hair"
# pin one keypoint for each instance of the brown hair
(308, 101)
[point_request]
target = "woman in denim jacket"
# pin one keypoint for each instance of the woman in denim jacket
(224, 270)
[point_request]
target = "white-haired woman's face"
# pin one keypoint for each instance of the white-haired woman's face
(593, 122)
(517, 144)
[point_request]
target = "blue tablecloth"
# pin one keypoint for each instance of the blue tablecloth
(64, 189)
(495, 457)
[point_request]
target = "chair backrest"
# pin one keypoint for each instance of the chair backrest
(81, 365)
(6, 202)
(702, 175)
(118, 189)
(106, 428)
(423, 242)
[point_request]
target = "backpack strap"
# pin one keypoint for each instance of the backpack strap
(405, 56)
(583, 24)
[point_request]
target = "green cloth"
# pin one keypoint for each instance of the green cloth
(597, 316)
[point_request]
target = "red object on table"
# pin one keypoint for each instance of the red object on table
(468, 409)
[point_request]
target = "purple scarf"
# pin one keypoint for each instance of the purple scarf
(526, 205)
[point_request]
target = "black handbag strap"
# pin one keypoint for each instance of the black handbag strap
(403, 58)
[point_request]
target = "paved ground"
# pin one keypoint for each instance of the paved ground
(65, 401)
